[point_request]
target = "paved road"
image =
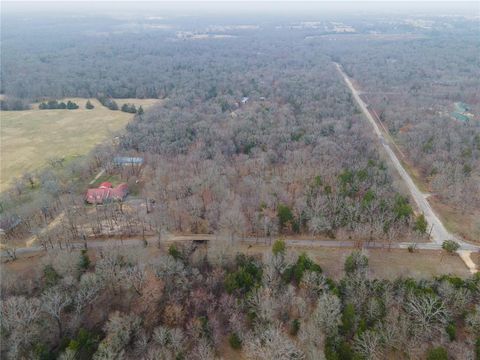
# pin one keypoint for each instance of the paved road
(464, 252)
(268, 241)
(438, 231)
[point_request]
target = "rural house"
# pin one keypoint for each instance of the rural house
(106, 193)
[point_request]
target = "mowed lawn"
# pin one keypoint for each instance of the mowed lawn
(28, 139)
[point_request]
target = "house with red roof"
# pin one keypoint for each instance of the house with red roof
(106, 193)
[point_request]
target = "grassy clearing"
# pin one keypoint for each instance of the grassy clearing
(385, 264)
(114, 179)
(466, 225)
(30, 138)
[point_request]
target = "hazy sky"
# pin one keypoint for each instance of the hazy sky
(197, 7)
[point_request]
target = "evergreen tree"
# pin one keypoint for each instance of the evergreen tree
(129, 108)
(71, 105)
(84, 261)
(89, 105)
(112, 105)
(421, 224)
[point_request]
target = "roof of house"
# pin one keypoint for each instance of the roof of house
(120, 191)
(106, 193)
(460, 117)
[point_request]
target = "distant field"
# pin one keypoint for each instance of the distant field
(29, 138)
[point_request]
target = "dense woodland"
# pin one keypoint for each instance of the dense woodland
(293, 158)
(411, 79)
(250, 140)
(414, 96)
(193, 303)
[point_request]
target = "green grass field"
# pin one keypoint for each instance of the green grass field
(28, 139)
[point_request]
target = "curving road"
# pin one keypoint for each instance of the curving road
(438, 231)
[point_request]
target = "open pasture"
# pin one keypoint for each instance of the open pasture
(30, 138)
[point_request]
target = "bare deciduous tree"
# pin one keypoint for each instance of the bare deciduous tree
(427, 313)
(272, 343)
(54, 302)
(369, 345)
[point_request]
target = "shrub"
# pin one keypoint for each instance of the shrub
(348, 319)
(129, 108)
(50, 276)
(295, 272)
(278, 247)
(356, 261)
(54, 104)
(451, 330)
(84, 262)
(438, 353)
(454, 280)
(338, 351)
(107, 102)
(234, 341)
(295, 327)
(402, 208)
(84, 344)
(175, 253)
(205, 328)
(420, 224)
(71, 105)
(412, 248)
(450, 246)
(42, 352)
(285, 216)
(89, 105)
(247, 276)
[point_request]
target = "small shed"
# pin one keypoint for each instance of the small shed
(127, 160)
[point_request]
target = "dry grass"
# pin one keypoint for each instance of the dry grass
(29, 138)
(465, 224)
(385, 264)
(475, 256)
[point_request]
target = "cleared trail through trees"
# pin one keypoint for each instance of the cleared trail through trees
(438, 231)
